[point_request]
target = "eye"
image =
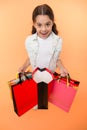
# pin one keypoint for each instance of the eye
(48, 24)
(39, 25)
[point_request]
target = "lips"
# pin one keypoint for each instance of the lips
(44, 33)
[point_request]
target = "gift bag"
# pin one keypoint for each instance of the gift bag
(63, 91)
(42, 77)
(42, 95)
(24, 93)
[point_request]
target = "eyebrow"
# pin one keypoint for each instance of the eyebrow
(45, 23)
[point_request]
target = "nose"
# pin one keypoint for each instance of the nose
(43, 28)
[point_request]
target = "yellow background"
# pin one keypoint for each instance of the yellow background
(15, 25)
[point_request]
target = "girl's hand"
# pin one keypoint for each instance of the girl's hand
(64, 72)
(24, 66)
(21, 70)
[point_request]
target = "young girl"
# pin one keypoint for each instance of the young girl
(44, 45)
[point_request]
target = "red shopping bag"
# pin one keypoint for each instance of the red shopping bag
(24, 94)
(63, 92)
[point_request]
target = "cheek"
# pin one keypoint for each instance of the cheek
(50, 28)
(37, 29)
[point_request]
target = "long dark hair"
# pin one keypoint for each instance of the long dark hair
(43, 10)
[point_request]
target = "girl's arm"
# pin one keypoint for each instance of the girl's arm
(63, 70)
(24, 66)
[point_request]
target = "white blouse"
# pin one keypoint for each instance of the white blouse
(43, 53)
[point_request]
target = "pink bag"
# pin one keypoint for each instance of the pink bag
(62, 94)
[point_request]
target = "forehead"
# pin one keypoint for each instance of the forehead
(42, 19)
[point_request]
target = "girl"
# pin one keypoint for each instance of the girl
(44, 45)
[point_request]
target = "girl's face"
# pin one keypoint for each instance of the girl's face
(43, 25)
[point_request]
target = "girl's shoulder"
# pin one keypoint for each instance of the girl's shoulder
(56, 36)
(29, 41)
(31, 37)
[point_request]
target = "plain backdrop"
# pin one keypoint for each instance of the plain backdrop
(15, 26)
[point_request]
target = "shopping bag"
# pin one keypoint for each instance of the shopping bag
(24, 93)
(42, 77)
(63, 91)
(42, 95)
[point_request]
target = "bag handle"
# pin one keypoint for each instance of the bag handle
(67, 78)
(23, 76)
(59, 77)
